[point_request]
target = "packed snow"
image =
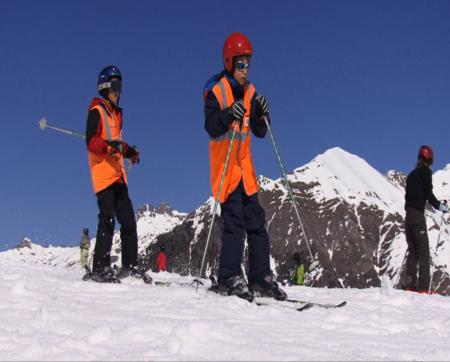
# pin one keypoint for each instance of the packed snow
(48, 313)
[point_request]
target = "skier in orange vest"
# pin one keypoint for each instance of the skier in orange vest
(106, 152)
(231, 103)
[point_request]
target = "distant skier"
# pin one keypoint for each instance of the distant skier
(298, 277)
(232, 102)
(419, 190)
(85, 244)
(161, 260)
(106, 152)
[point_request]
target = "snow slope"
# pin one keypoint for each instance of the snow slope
(48, 313)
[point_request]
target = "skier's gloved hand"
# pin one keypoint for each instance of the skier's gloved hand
(443, 206)
(130, 152)
(237, 110)
(133, 155)
(263, 105)
(114, 148)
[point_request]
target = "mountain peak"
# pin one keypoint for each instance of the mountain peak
(25, 243)
(163, 209)
(341, 174)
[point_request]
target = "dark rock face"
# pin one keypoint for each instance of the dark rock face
(162, 209)
(354, 237)
(343, 239)
(25, 243)
(397, 178)
(185, 244)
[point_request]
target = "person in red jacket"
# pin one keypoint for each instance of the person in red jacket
(161, 260)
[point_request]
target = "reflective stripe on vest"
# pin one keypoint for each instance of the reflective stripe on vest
(241, 163)
(105, 169)
(106, 124)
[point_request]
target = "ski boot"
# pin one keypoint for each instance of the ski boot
(102, 275)
(268, 287)
(134, 272)
(234, 285)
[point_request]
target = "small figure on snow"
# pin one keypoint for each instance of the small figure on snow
(85, 244)
(161, 259)
(299, 275)
(419, 190)
(107, 151)
(231, 103)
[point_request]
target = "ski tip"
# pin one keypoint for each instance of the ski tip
(305, 307)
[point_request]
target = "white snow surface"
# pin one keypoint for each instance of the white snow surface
(48, 313)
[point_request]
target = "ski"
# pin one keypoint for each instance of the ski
(168, 284)
(321, 305)
(299, 305)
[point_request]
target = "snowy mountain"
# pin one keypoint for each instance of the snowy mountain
(28, 252)
(352, 215)
(353, 219)
(151, 222)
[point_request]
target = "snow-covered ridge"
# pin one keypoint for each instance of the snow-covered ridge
(441, 183)
(339, 174)
(30, 253)
(153, 221)
(335, 174)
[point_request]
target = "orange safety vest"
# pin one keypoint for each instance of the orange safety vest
(240, 165)
(105, 169)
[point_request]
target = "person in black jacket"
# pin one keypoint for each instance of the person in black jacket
(419, 190)
(231, 103)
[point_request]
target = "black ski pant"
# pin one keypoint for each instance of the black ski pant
(244, 214)
(114, 202)
(418, 258)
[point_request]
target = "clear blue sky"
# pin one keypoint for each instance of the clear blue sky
(372, 77)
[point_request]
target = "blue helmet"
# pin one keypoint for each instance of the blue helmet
(105, 76)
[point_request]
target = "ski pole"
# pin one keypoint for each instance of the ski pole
(216, 203)
(435, 252)
(401, 268)
(288, 186)
(43, 124)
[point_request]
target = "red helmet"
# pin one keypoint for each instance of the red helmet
(236, 44)
(426, 153)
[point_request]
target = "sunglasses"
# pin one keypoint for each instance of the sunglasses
(242, 65)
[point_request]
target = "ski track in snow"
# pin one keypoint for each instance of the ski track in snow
(50, 314)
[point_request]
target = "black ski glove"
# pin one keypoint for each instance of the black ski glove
(114, 148)
(132, 153)
(263, 106)
(237, 110)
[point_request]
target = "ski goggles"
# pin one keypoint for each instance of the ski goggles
(115, 85)
(242, 65)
